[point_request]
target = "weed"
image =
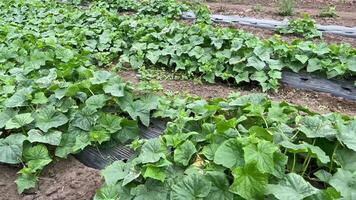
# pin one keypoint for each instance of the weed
(329, 11)
(286, 7)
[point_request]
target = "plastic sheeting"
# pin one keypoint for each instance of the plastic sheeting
(99, 158)
(272, 24)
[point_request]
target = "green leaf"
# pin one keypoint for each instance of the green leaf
(261, 154)
(316, 127)
(115, 172)
(36, 157)
(323, 175)
(346, 159)
(152, 151)
(11, 148)
(110, 122)
(154, 172)
(19, 98)
(52, 137)
(249, 182)
(47, 118)
(230, 154)
(66, 145)
(255, 62)
(314, 64)
(347, 134)
(220, 186)
(96, 101)
(153, 56)
(26, 181)
(139, 109)
(115, 89)
(85, 119)
(129, 130)
(81, 141)
(40, 98)
(196, 52)
(192, 187)
(184, 153)
(100, 77)
(345, 183)
(292, 187)
(315, 151)
(99, 136)
(351, 63)
(19, 121)
(111, 192)
(64, 54)
(262, 52)
(302, 58)
(5, 116)
(149, 191)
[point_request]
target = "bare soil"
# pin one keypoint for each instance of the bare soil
(315, 101)
(268, 9)
(63, 180)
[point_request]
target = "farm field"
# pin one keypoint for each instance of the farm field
(79, 75)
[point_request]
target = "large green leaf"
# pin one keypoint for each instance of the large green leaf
(129, 130)
(26, 181)
(109, 122)
(345, 183)
(229, 154)
(11, 148)
(149, 191)
(5, 116)
(192, 187)
(316, 127)
(47, 118)
(52, 137)
(261, 154)
(96, 101)
(346, 159)
(18, 99)
(152, 151)
(19, 121)
(347, 134)
(249, 182)
(184, 153)
(115, 89)
(255, 62)
(116, 171)
(220, 186)
(36, 157)
(292, 187)
(315, 151)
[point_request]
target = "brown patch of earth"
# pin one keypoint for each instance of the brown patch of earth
(63, 180)
(346, 13)
(318, 102)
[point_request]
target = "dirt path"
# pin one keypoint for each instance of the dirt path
(63, 180)
(265, 11)
(315, 101)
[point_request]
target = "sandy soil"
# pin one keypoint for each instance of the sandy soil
(63, 180)
(315, 101)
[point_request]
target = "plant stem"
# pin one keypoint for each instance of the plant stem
(306, 166)
(307, 160)
(293, 162)
(332, 156)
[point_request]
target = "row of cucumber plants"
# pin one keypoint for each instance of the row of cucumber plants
(243, 147)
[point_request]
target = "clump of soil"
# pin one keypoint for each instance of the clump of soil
(63, 180)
